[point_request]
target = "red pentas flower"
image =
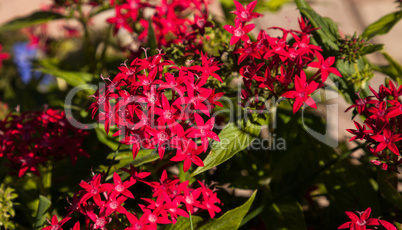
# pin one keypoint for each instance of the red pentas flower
(245, 13)
(155, 104)
(381, 128)
(55, 224)
(3, 56)
(170, 199)
(324, 66)
(362, 221)
(239, 31)
(302, 92)
(32, 138)
(169, 22)
(273, 67)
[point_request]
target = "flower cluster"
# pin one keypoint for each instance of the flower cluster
(170, 21)
(382, 125)
(362, 221)
(3, 56)
(156, 108)
(102, 204)
(274, 65)
(31, 138)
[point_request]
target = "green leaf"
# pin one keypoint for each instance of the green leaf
(271, 5)
(286, 214)
(371, 48)
(72, 78)
(183, 223)
(328, 31)
(108, 140)
(151, 36)
(388, 191)
(398, 226)
(43, 206)
(231, 219)
(232, 140)
(302, 4)
(33, 19)
(383, 25)
(393, 69)
(126, 157)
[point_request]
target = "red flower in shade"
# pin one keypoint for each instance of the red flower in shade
(362, 221)
(3, 56)
(56, 224)
(325, 66)
(387, 140)
(77, 226)
(245, 14)
(361, 103)
(360, 132)
(302, 92)
(99, 221)
(239, 31)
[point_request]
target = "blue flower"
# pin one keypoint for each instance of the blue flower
(23, 56)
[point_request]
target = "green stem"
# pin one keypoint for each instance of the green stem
(89, 49)
(102, 57)
(111, 162)
(191, 221)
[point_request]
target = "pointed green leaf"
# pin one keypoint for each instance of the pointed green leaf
(398, 226)
(388, 191)
(231, 219)
(328, 31)
(393, 69)
(232, 140)
(371, 48)
(151, 36)
(33, 19)
(43, 206)
(126, 157)
(72, 78)
(383, 25)
(286, 215)
(302, 4)
(183, 223)
(106, 139)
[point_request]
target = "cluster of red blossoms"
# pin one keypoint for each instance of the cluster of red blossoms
(362, 221)
(103, 203)
(156, 106)
(273, 64)
(382, 125)
(170, 19)
(3, 56)
(31, 138)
